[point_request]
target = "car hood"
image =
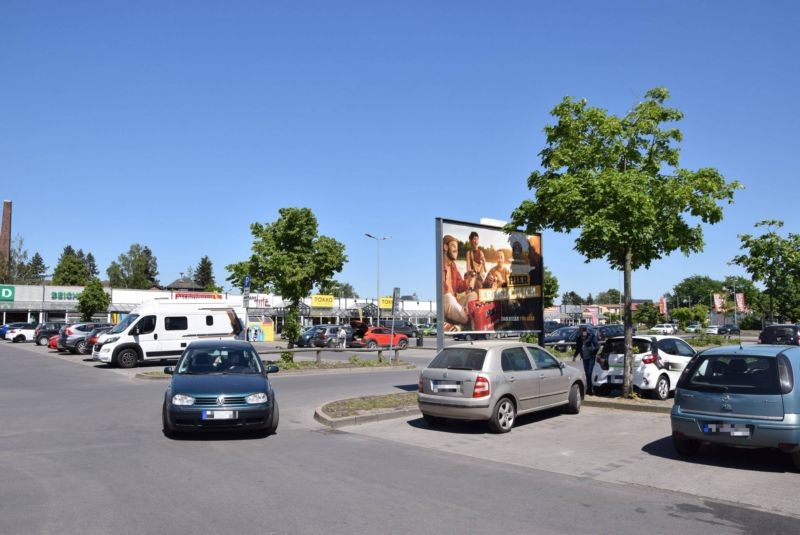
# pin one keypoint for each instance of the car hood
(217, 383)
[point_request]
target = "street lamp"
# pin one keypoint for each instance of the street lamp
(378, 284)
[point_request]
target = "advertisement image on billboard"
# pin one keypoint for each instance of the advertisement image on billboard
(488, 280)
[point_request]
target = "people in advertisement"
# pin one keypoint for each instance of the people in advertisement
(493, 286)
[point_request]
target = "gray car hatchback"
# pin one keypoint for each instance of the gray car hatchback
(495, 381)
(740, 396)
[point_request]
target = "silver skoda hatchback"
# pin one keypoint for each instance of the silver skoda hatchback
(495, 381)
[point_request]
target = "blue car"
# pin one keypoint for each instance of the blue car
(219, 385)
(740, 396)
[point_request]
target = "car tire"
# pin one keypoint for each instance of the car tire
(43, 341)
(81, 347)
(274, 418)
(127, 358)
(574, 400)
(18, 339)
(796, 460)
(371, 344)
(661, 391)
(685, 447)
(433, 421)
(503, 416)
(402, 344)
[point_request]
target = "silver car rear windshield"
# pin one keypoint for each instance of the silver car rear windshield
(734, 375)
(617, 346)
(459, 358)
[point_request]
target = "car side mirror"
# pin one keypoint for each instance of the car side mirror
(272, 369)
(169, 370)
(135, 331)
(561, 364)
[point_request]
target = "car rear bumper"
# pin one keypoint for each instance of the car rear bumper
(460, 408)
(760, 433)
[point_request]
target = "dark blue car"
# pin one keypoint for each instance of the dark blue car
(220, 385)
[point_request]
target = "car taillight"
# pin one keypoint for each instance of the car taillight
(68, 331)
(649, 359)
(482, 388)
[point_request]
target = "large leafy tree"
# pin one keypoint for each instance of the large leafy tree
(71, 269)
(695, 289)
(610, 296)
(647, 313)
(571, 298)
(204, 275)
(290, 257)
(91, 265)
(93, 299)
(338, 289)
(549, 288)
(774, 261)
(137, 268)
(618, 181)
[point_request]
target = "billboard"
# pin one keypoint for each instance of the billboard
(488, 280)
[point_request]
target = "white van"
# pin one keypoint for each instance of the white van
(161, 329)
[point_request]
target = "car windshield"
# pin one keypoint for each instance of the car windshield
(219, 360)
(734, 375)
(124, 324)
(459, 358)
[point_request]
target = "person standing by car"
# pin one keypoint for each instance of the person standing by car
(341, 337)
(586, 346)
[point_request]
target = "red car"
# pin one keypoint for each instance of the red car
(53, 342)
(380, 337)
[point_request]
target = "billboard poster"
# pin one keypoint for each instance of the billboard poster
(488, 280)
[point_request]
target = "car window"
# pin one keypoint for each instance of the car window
(543, 359)
(146, 325)
(464, 358)
(667, 345)
(176, 323)
(734, 375)
(515, 360)
(684, 349)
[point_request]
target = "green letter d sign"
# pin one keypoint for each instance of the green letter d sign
(6, 293)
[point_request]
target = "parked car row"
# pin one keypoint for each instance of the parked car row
(359, 334)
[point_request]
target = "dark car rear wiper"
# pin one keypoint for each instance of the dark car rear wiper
(459, 368)
(713, 388)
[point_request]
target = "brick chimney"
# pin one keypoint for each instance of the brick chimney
(5, 231)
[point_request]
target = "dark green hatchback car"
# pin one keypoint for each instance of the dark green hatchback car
(220, 385)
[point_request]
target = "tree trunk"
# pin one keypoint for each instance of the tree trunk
(627, 381)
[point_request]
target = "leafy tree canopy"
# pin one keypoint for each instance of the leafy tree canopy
(571, 298)
(549, 288)
(137, 268)
(93, 299)
(610, 296)
(204, 275)
(71, 270)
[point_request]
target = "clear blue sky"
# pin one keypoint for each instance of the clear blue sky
(178, 124)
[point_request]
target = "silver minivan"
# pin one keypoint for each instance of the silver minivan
(495, 381)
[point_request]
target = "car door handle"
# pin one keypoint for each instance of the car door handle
(512, 379)
(155, 336)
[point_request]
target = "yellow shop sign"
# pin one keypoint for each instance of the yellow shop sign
(386, 303)
(321, 301)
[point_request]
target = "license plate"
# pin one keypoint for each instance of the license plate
(615, 379)
(734, 430)
(219, 415)
(445, 386)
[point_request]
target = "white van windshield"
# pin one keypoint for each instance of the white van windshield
(124, 324)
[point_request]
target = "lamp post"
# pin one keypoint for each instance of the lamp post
(378, 284)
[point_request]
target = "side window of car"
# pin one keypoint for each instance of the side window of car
(516, 359)
(176, 323)
(684, 349)
(146, 325)
(668, 346)
(543, 359)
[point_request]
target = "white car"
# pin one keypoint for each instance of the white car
(664, 328)
(713, 329)
(693, 328)
(657, 364)
(25, 333)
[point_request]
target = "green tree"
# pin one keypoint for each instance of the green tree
(647, 314)
(682, 314)
(71, 270)
(37, 268)
(91, 265)
(138, 269)
(571, 298)
(695, 289)
(204, 275)
(549, 288)
(337, 289)
(16, 269)
(618, 181)
(610, 296)
(93, 299)
(774, 261)
(290, 257)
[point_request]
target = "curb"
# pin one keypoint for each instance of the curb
(335, 423)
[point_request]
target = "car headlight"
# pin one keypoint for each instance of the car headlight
(111, 340)
(180, 399)
(252, 399)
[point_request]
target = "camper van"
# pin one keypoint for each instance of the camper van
(161, 329)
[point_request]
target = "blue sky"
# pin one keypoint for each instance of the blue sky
(178, 124)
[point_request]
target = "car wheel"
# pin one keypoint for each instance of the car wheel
(82, 347)
(503, 416)
(661, 391)
(371, 344)
(43, 341)
(685, 446)
(402, 344)
(796, 460)
(330, 343)
(127, 358)
(433, 421)
(18, 339)
(574, 404)
(274, 417)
